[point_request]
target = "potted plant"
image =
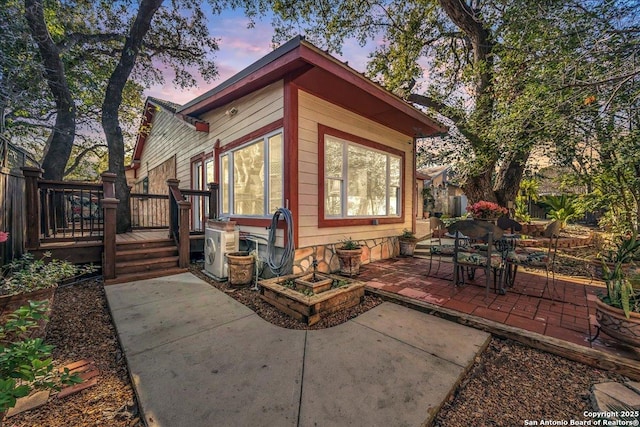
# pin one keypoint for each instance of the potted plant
(241, 267)
(618, 311)
(428, 202)
(485, 210)
(408, 242)
(349, 255)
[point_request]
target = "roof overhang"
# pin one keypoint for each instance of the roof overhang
(322, 75)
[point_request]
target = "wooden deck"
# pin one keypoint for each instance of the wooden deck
(142, 235)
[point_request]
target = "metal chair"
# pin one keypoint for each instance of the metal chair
(474, 249)
(439, 249)
(536, 259)
(508, 224)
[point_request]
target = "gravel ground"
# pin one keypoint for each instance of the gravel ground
(508, 383)
(81, 328)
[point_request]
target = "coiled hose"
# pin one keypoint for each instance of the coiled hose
(285, 264)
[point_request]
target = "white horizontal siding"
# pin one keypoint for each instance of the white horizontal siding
(314, 111)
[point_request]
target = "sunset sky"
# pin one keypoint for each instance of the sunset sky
(240, 47)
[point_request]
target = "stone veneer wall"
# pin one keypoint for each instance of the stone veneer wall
(372, 250)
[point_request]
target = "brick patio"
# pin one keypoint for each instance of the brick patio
(524, 306)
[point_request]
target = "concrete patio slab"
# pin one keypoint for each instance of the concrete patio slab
(428, 333)
(354, 375)
(193, 309)
(199, 358)
(151, 290)
(242, 373)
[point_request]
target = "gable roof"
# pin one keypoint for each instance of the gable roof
(167, 105)
(320, 74)
(150, 107)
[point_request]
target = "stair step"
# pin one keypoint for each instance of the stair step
(145, 265)
(132, 277)
(146, 244)
(146, 253)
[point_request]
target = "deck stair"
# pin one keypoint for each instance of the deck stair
(145, 259)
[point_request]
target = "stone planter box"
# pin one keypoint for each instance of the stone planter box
(320, 284)
(311, 309)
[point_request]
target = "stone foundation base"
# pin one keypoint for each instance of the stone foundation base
(325, 255)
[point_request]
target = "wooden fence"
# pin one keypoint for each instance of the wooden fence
(12, 205)
(11, 214)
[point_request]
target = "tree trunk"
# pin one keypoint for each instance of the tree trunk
(111, 106)
(478, 186)
(509, 177)
(61, 139)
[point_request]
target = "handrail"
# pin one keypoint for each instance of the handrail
(179, 222)
(72, 185)
(189, 192)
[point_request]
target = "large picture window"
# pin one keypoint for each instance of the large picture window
(251, 177)
(360, 181)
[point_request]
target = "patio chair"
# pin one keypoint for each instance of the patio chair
(437, 248)
(536, 259)
(508, 224)
(473, 250)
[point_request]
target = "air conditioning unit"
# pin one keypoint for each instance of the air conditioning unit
(217, 243)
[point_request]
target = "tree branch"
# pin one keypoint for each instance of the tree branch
(436, 105)
(80, 156)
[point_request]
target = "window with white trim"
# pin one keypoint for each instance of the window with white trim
(251, 177)
(360, 181)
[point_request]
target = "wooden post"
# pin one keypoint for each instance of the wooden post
(109, 206)
(173, 211)
(184, 244)
(213, 200)
(32, 206)
(108, 185)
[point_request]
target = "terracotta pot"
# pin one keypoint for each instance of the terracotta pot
(407, 246)
(349, 261)
(241, 268)
(614, 323)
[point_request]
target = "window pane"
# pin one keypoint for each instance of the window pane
(367, 176)
(224, 183)
(209, 174)
(248, 180)
(333, 197)
(394, 199)
(276, 173)
(333, 158)
(394, 171)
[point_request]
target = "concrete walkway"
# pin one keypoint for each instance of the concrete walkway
(199, 358)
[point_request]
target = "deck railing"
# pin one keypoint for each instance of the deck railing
(59, 211)
(149, 211)
(70, 210)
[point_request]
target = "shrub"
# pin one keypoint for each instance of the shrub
(27, 274)
(25, 363)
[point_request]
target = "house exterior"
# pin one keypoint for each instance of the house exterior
(297, 129)
(449, 199)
